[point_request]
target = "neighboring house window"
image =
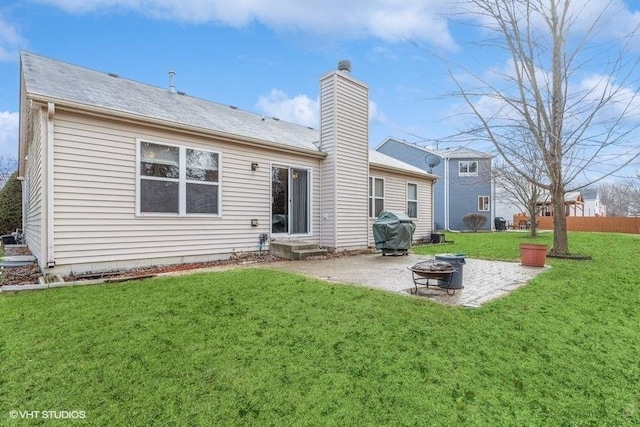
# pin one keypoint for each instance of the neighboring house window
(412, 200)
(483, 203)
(468, 168)
(376, 196)
(178, 180)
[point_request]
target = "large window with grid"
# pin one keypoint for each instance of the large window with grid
(177, 180)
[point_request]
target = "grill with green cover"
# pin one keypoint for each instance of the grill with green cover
(393, 233)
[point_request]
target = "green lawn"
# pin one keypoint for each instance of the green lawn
(257, 347)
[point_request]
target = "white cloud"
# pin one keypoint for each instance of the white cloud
(300, 109)
(615, 18)
(389, 20)
(384, 19)
(8, 134)
(303, 110)
(10, 41)
(621, 102)
(375, 115)
(600, 19)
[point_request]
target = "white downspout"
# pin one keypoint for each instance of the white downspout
(23, 186)
(51, 110)
(446, 196)
(433, 206)
(446, 193)
(493, 197)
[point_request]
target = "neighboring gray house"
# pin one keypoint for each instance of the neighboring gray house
(464, 185)
(118, 174)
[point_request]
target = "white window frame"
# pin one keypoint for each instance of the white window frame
(465, 165)
(412, 200)
(181, 180)
(484, 202)
(373, 197)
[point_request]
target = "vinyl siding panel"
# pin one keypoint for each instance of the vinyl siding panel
(328, 168)
(416, 157)
(352, 165)
(34, 186)
(464, 192)
(96, 226)
(344, 117)
(395, 199)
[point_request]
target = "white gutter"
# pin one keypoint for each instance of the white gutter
(418, 173)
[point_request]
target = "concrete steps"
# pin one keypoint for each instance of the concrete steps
(308, 253)
(295, 250)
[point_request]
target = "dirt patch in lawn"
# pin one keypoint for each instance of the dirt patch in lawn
(30, 274)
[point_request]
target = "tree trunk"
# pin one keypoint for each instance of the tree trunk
(534, 227)
(532, 215)
(560, 239)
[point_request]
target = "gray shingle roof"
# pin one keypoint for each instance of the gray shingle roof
(51, 79)
(452, 153)
(377, 158)
(461, 153)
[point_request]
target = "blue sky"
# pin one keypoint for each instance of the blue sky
(260, 56)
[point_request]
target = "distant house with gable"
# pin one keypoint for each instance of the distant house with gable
(592, 204)
(464, 185)
(118, 174)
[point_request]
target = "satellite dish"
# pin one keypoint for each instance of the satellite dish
(432, 161)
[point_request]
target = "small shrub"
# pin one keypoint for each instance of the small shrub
(474, 221)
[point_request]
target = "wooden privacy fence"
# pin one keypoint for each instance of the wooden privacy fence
(602, 224)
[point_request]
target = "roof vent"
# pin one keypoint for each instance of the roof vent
(344, 65)
(113, 75)
(172, 75)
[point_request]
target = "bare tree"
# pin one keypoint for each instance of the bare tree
(633, 186)
(578, 128)
(615, 196)
(8, 165)
(521, 191)
(520, 179)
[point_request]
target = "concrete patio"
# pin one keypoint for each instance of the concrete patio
(483, 280)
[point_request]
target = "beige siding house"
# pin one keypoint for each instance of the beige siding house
(118, 174)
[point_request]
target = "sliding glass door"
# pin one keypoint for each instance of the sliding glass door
(290, 200)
